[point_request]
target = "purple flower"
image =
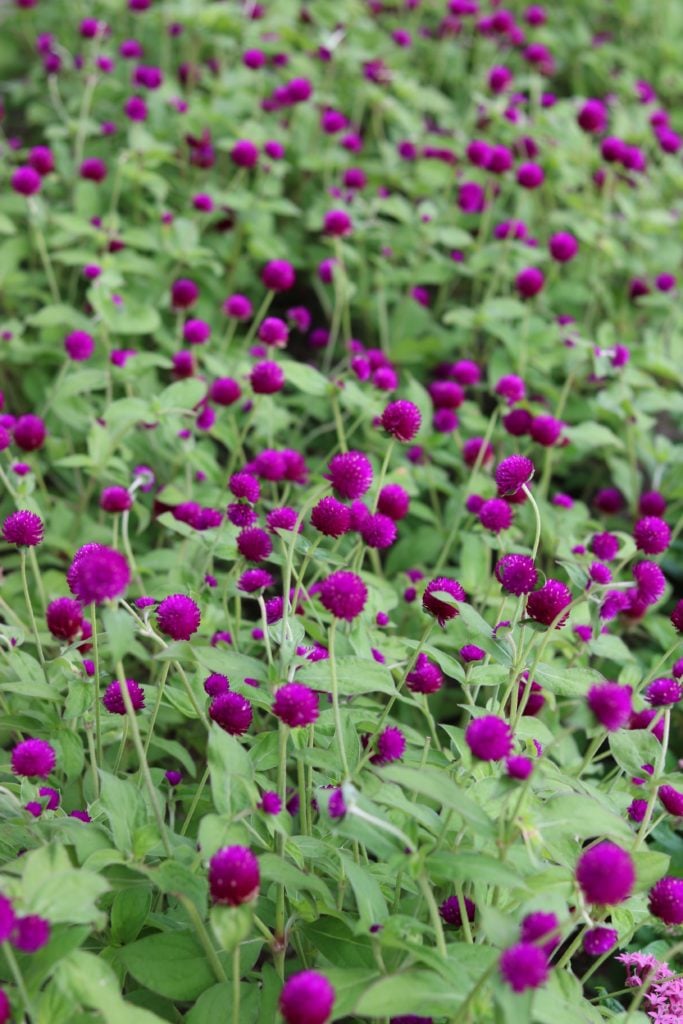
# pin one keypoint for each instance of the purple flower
(489, 738)
(29, 432)
(307, 998)
(284, 518)
(495, 515)
(666, 900)
(650, 583)
(266, 378)
(451, 914)
(270, 803)
(26, 181)
(530, 175)
(30, 933)
(676, 615)
(425, 677)
(599, 940)
(511, 388)
(343, 594)
(605, 874)
(516, 574)
(546, 604)
(98, 573)
(592, 117)
(79, 346)
(378, 531)
(173, 777)
(611, 704)
(672, 799)
(652, 503)
(662, 692)
(254, 579)
(476, 449)
(254, 544)
(93, 169)
(234, 876)
(470, 652)
(178, 616)
(519, 767)
(215, 684)
(391, 745)
(652, 535)
(529, 282)
(278, 276)
(296, 705)
(116, 499)
(401, 419)
(524, 966)
(538, 925)
(113, 698)
(33, 757)
(350, 474)
(513, 473)
(605, 546)
(636, 810)
(529, 697)
(563, 246)
(434, 604)
(331, 517)
(232, 712)
(23, 528)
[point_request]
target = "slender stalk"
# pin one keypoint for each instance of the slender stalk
(33, 558)
(195, 801)
(29, 606)
(434, 915)
(281, 944)
(236, 987)
(43, 253)
(537, 516)
(96, 682)
(335, 702)
(591, 751)
(264, 624)
(18, 980)
(261, 312)
(661, 763)
(157, 704)
(383, 472)
(204, 937)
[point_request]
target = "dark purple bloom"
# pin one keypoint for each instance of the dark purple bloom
(662, 692)
(425, 677)
(296, 705)
(215, 684)
(33, 757)
(489, 738)
(350, 474)
(30, 933)
(23, 528)
(234, 876)
(516, 574)
(232, 712)
(611, 704)
(606, 874)
(599, 940)
(524, 966)
(652, 535)
(401, 419)
(113, 698)
(672, 799)
(545, 605)
(391, 745)
(307, 998)
(435, 599)
(450, 911)
(331, 517)
(178, 616)
(513, 473)
(666, 900)
(343, 594)
(98, 573)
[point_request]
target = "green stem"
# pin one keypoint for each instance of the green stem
(204, 937)
(96, 682)
(264, 623)
(661, 764)
(537, 516)
(335, 702)
(29, 606)
(18, 980)
(591, 751)
(261, 312)
(195, 801)
(281, 945)
(434, 915)
(41, 246)
(157, 704)
(236, 987)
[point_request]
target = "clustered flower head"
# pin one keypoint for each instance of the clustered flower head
(234, 876)
(98, 573)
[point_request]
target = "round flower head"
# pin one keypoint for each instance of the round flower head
(530, 175)
(672, 799)
(178, 616)
(215, 684)
(652, 535)
(26, 181)
(331, 518)
(393, 501)
(234, 876)
(391, 745)
(516, 574)
(435, 599)
(232, 712)
(267, 378)
(546, 430)
(652, 503)
(676, 615)
(33, 757)
(350, 474)
(599, 940)
(512, 473)
(307, 998)
(666, 900)
(278, 276)
(563, 246)
(30, 933)
(611, 704)
(270, 802)
(662, 692)
(512, 388)
(495, 515)
(518, 422)
(650, 583)
(5, 1008)
(79, 346)
(545, 605)
(531, 698)
(7, 918)
(592, 117)
(254, 544)
(253, 580)
(529, 282)
(184, 293)
(605, 546)
(378, 531)
(98, 573)
(538, 925)
(489, 738)
(519, 767)
(29, 432)
(283, 518)
(524, 966)
(606, 874)
(425, 677)
(296, 705)
(470, 652)
(116, 499)
(343, 594)
(273, 331)
(113, 698)
(450, 912)
(401, 419)
(337, 223)
(196, 332)
(23, 528)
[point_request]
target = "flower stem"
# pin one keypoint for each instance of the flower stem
(236, 985)
(335, 702)
(157, 704)
(195, 801)
(96, 681)
(661, 763)
(204, 937)
(18, 979)
(29, 606)
(437, 924)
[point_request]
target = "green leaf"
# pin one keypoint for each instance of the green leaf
(338, 944)
(413, 991)
(120, 630)
(354, 675)
(473, 867)
(172, 964)
(174, 878)
(372, 907)
(129, 911)
(230, 771)
(183, 395)
(631, 749)
(590, 434)
(305, 378)
(439, 787)
(573, 682)
(58, 315)
(277, 869)
(214, 1005)
(123, 805)
(584, 818)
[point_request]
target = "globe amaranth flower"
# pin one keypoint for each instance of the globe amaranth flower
(477, 449)
(599, 573)
(116, 499)
(254, 544)
(278, 276)
(350, 474)
(178, 616)
(307, 998)
(652, 503)
(343, 594)
(401, 419)
(524, 966)
(245, 485)
(26, 181)
(606, 874)
(599, 940)
(529, 282)
(563, 246)
(644, 719)
(662, 692)
(331, 518)
(30, 933)
(173, 777)
(253, 580)
(273, 331)
(234, 876)
(489, 738)
(29, 432)
(611, 704)
(519, 767)
(435, 600)
(512, 388)
(677, 616)
(33, 757)
(541, 925)
(652, 535)
(605, 546)
(450, 911)
(267, 378)
(665, 900)
(296, 705)
(546, 604)
(530, 697)
(98, 573)
(184, 293)
(650, 582)
(113, 697)
(516, 574)
(215, 684)
(637, 810)
(546, 430)
(672, 799)
(270, 802)
(232, 712)
(23, 528)
(390, 746)
(425, 677)
(378, 531)
(513, 473)
(495, 515)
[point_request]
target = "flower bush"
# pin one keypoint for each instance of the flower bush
(340, 451)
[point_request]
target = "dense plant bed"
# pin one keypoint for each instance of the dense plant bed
(342, 498)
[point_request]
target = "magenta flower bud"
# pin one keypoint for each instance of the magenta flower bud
(307, 998)
(652, 535)
(337, 223)
(489, 738)
(519, 767)
(495, 515)
(64, 618)
(5, 1008)
(545, 605)
(393, 501)
(23, 528)
(471, 197)
(331, 518)
(676, 615)
(425, 677)
(391, 746)
(267, 378)
(529, 282)
(135, 108)
(652, 503)
(499, 78)
(611, 704)
(536, 926)
(530, 176)
(296, 705)
(196, 332)
(33, 757)
(274, 331)
(663, 692)
(254, 579)
(605, 874)
(254, 544)
(234, 876)
(605, 546)
(524, 966)
(178, 616)
(116, 499)
(350, 474)
(29, 432)
(284, 518)
(113, 698)
(563, 246)
(232, 712)
(216, 684)
(401, 420)
(516, 574)
(278, 276)
(245, 485)
(270, 803)
(500, 160)
(30, 933)
(244, 153)
(513, 473)
(666, 900)
(672, 799)
(343, 594)
(470, 652)
(378, 531)
(173, 777)
(184, 293)
(592, 116)
(472, 448)
(512, 388)
(225, 391)
(435, 600)
(26, 181)
(599, 940)
(98, 573)
(93, 169)
(450, 912)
